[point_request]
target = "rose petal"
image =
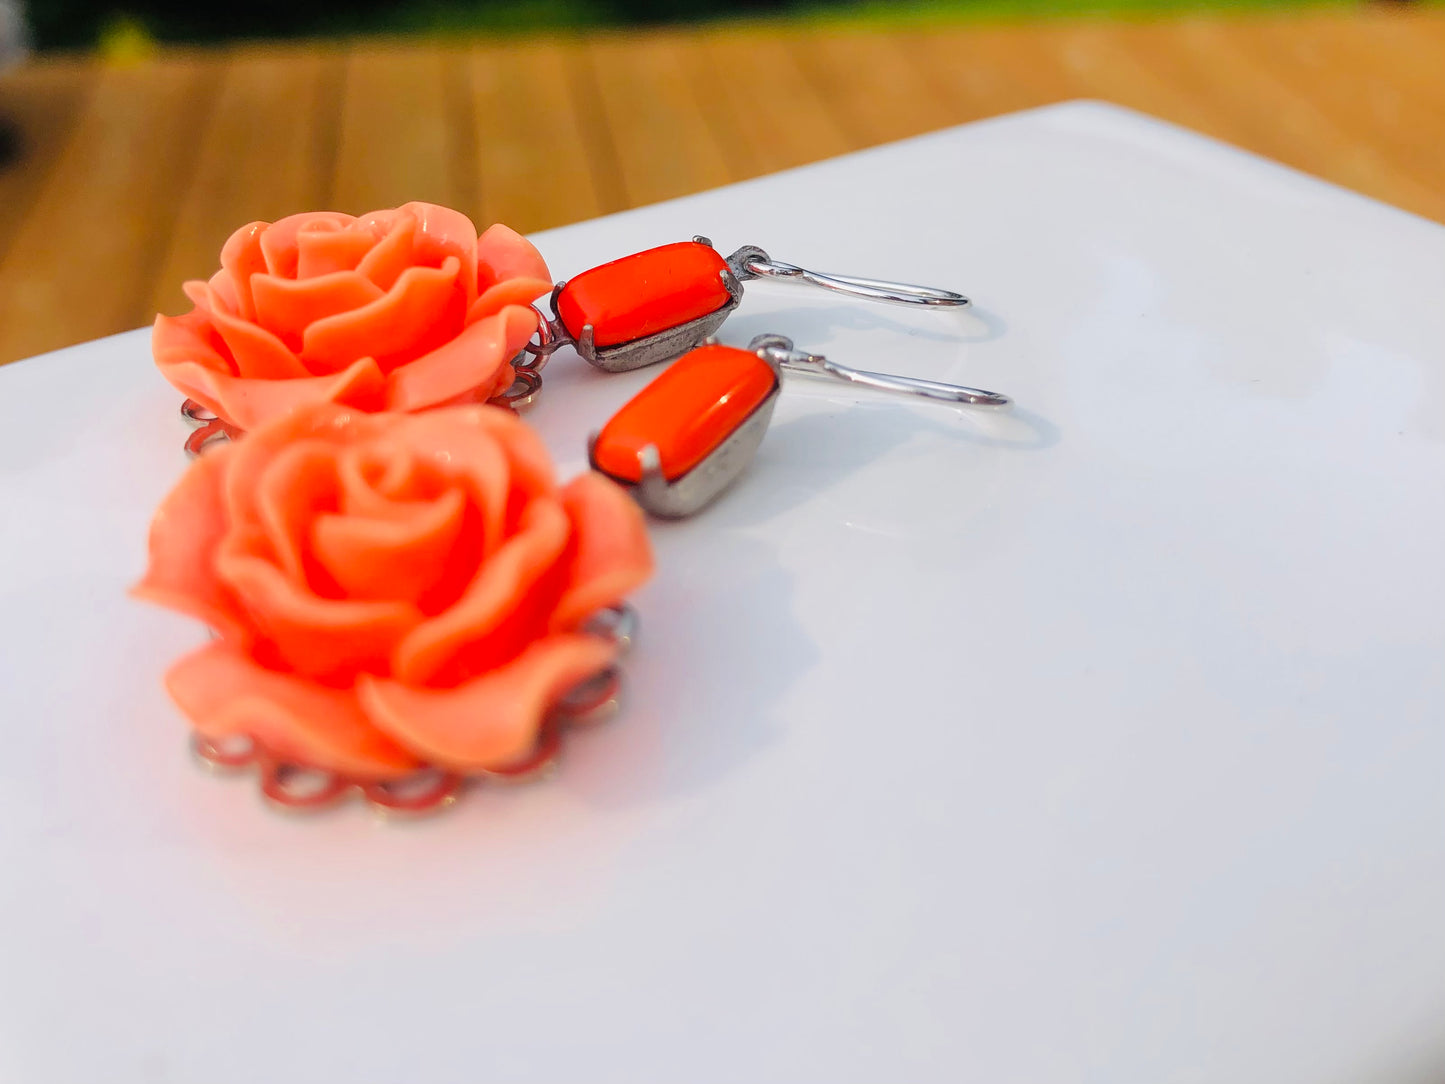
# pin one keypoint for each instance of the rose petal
(518, 291)
(247, 404)
(385, 479)
(503, 253)
(319, 422)
(241, 257)
(298, 485)
(187, 528)
(489, 722)
(223, 289)
(502, 585)
(610, 553)
(287, 307)
(443, 232)
(324, 250)
(392, 254)
(392, 558)
(199, 293)
(279, 243)
(318, 637)
(259, 355)
(223, 693)
(191, 337)
(474, 359)
(424, 457)
(447, 434)
(423, 310)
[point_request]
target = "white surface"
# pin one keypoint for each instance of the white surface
(1105, 742)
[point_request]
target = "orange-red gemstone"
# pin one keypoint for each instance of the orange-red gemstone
(642, 294)
(686, 412)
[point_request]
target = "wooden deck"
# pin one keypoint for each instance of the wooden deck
(131, 177)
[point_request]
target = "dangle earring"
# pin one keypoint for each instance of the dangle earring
(658, 304)
(689, 434)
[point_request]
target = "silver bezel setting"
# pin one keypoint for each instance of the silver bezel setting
(704, 483)
(665, 345)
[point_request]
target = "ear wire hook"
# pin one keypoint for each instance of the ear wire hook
(750, 262)
(780, 350)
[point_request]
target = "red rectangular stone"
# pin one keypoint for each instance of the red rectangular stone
(642, 294)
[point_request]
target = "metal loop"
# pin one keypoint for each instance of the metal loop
(538, 764)
(752, 262)
(592, 700)
(299, 788)
(427, 791)
(551, 337)
(524, 390)
(196, 414)
(617, 623)
(779, 350)
(741, 261)
(231, 753)
(214, 431)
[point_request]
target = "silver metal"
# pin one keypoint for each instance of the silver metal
(667, 344)
(196, 415)
(703, 484)
(617, 623)
(552, 334)
(525, 388)
(751, 262)
(691, 492)
(748, 262)
(780, 350)
(206, 434)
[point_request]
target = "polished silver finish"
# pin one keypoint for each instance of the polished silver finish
(751, 262)
(700, 486)
(779, 350)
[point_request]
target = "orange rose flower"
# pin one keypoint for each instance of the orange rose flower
(390, 591)
(395, 310)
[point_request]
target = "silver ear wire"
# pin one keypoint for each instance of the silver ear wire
(780, 353)
(751, 262)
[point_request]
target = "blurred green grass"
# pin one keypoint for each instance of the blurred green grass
(83, 23)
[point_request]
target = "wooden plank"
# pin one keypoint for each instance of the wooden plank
(530, 145)
(663, 142)
(133, 181)
(84, 260)
(871, 84)
(1272, 115)
(1381, 95)
(1104, 60)
(41, 103)
(982, 72)
(766, 113)
(405, 118)
(263, 155)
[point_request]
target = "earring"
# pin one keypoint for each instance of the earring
(689, 434)
(658, 304)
